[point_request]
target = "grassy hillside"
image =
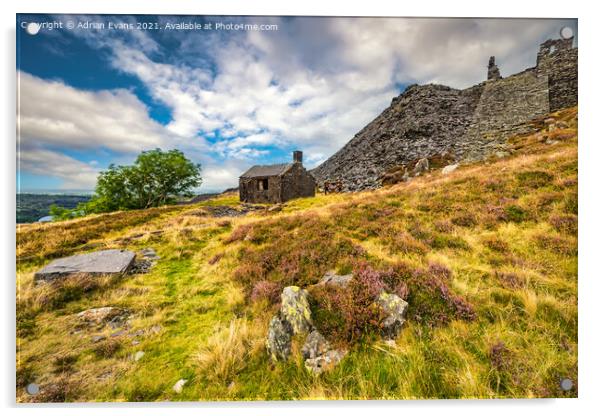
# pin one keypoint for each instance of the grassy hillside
(486, 257)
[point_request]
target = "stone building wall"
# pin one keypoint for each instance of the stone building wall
(297, 183)
(249, 190)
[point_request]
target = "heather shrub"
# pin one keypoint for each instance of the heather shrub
(565, 223)
(464, 220)
(295, 256)
(348, 314)
(534, 179)
(497, 245)
(514, 213)
(264, 289)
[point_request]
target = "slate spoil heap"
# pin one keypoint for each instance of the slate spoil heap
(440, 122)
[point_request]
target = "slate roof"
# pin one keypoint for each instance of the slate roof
(266, 170)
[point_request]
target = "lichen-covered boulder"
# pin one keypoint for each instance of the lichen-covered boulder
(324, 362)
(395, 308)
(315, 345)
(295, 309)
(278, 342)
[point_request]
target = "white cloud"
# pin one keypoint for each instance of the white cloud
(312, 84)
(74, 173)
(52, 113)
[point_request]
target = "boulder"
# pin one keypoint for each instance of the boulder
(98, 263)
(449, 169)
(325, 361)
(278, 342)
(331, 278)
(295, 309)
(395, 308)
(421, 166)
(315, 345)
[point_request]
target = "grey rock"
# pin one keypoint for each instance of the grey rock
(449, 169)
(98, 263)
(315, 345)
(331, 278)
(138, 356)
(421, 166)
(295, 309)
(149, 254)
(395, 308)
(325, 361)
(104, 315)
(278, 342)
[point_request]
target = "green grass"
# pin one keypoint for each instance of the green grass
(505, 231)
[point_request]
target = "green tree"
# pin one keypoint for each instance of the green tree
(156, 178)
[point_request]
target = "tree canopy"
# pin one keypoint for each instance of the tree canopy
(156, 178)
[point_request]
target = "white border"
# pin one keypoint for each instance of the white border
(590, 261)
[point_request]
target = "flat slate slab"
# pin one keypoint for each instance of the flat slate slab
(104, 262)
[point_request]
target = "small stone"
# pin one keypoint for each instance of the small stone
(421, 166)
(138, 355)
(149, 254)
(98, 338)
(324, 362)
(315, 345)
(135, 342)
(99, 316)
(449, 169)
(179, 385)
(331, 278)
(155, 329)
(275, 208)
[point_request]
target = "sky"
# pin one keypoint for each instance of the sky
(232, 92)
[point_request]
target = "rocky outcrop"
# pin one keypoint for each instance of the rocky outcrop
(294, 317)
(430, 121)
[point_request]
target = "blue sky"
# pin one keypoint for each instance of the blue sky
(230, 98)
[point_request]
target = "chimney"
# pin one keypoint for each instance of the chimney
(298, 156)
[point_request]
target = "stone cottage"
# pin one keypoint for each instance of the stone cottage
(277, 183)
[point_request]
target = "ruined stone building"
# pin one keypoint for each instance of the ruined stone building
(439, 122)
(277, 183)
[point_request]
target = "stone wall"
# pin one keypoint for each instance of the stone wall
(503, 108)
(433, 120)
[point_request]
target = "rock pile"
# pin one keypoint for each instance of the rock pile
(294, 317)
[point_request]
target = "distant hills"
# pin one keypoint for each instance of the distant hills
(32, 207)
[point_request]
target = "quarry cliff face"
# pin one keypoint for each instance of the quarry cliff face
(439, 122)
